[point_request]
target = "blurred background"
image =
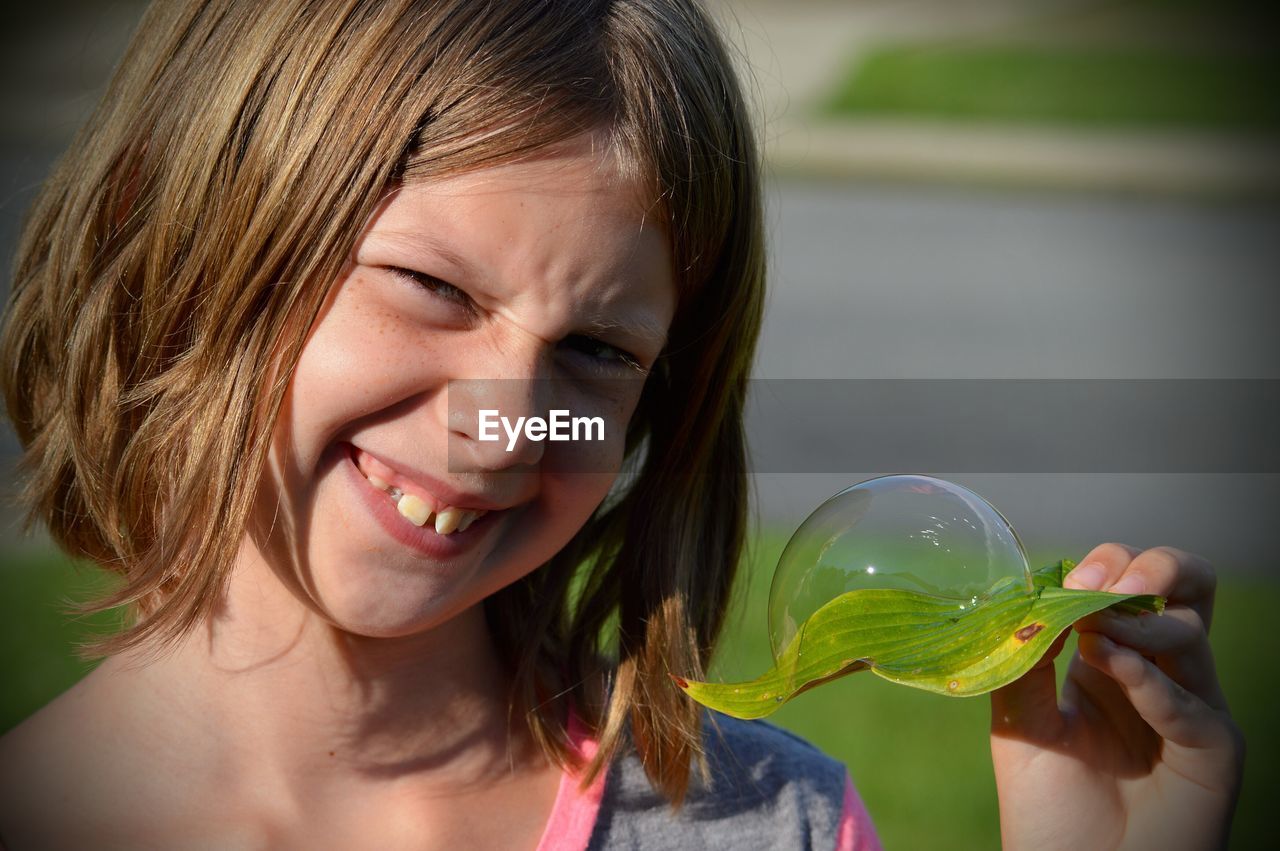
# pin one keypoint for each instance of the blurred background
(957, 189)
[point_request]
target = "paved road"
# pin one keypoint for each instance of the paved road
(888, 282)
(914, 282)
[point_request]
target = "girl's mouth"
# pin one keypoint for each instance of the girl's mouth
(404, 504)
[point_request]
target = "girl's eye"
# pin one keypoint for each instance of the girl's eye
(602, 352)
(434, 285)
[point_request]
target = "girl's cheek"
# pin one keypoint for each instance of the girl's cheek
(600, 450)
(579, 495)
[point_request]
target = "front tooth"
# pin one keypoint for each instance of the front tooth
(447, 520)
(415, 510)
(468, 517)
(377, 482)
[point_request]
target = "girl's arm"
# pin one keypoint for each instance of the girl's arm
(1141, 750)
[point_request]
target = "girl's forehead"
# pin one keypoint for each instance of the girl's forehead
(571, 196)
(581, 164)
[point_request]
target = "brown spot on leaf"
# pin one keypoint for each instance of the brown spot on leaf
(680, 681)
(1028, 631)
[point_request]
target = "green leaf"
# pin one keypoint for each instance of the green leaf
(921, 640)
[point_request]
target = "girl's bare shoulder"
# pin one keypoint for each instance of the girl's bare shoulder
(61, 771)
(80, 773)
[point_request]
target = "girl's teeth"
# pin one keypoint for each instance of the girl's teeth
(414, 510)
(448, 520)
(417, 512)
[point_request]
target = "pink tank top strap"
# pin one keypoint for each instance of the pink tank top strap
(573, 815)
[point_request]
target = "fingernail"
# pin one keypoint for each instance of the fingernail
(1087, 577)
(1131, 584)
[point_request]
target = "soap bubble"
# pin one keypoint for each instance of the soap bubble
(905, 532)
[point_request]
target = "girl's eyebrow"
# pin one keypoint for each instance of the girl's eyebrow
(639, 325)
(416, 241)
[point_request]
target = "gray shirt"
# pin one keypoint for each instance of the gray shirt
(769, 789)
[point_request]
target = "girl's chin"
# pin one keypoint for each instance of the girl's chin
(379, 591)
(386, 616)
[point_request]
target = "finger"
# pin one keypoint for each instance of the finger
(1179, 576)
(1028, 706)
(1101, 567)
(1175, 639)
(1172, 711)
(1101, 701)
(1178, 630)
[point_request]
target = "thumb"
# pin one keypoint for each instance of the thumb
(1027, 708)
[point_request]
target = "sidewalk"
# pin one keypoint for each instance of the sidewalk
(792, 54)
(1201, 164)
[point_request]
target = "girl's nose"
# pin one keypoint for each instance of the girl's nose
(490, 419)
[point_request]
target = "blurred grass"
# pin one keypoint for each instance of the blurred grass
(37, 659)
(920, 761)
(1139, 87)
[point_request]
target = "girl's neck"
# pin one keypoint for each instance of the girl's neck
(281, 700)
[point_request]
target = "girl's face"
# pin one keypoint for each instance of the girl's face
(537, 285)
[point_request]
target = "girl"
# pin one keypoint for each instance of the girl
(258, 312)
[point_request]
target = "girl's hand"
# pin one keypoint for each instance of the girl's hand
(1141, 751)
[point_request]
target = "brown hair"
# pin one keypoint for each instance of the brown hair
(165, 284)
